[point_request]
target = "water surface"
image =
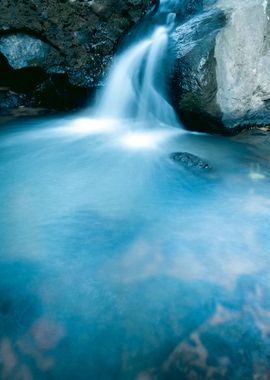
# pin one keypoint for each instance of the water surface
(117, 263)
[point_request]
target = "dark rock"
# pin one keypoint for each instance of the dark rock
(190, 7)
(9, 99)
(183, 8)
(73, 37)
(190, 161)
(57, 92)
(34, 87)
(194, 84)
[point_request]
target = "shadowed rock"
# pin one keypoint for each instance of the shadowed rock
(194, 84)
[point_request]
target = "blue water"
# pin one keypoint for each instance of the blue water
(118, 263)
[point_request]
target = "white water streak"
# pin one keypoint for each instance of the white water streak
(119, 94)
(136, 85)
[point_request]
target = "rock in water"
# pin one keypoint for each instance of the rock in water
(221, 80)
(190, 161)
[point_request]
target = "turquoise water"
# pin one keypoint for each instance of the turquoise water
(118, 263)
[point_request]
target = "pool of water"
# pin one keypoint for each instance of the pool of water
(119, 263)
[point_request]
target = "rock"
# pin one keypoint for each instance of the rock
(242, 53)
(22, 50)
(52, 53)
(183, 8)
(221, 80)
(194, 84)
(190, 161)
(33, 87)
(57, 93)
(73, 37)
(10, 99)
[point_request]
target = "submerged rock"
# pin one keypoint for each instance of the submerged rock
(221, 80)
(190, 161)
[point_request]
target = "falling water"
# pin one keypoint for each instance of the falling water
(136, 84)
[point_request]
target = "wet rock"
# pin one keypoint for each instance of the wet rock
(56, 92)
(190, 161)
(194, 84)
(221, 80)
(9, 115)
(242, 53)
(10, 99)
(73, 37)
(34, 87)
(22, 50)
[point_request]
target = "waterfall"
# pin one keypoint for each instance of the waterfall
(119, 96)
(136, 86)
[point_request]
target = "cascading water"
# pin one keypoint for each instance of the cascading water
(136, 85)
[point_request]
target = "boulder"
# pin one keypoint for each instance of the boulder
(23, 50)
(221, 77)
(242, 53)
(194, 83)
(75, 37)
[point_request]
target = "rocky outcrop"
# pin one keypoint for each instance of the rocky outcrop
(221, 80)
(242, 54)
(69, 42)
(194, 84)
(22, 50)
(69, 36)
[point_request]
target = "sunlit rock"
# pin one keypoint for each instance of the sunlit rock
(23, 50)
(221, 80)
(242, 53)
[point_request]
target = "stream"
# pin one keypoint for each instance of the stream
(119, 263)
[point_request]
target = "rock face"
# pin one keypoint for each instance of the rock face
(221, 81)
(62, 48)
(242, 54)
(194, 83)
(80, 35)
(22, 50)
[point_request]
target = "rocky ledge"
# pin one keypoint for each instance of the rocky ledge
(68, 43)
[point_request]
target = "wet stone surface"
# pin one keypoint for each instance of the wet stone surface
(190, 161)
